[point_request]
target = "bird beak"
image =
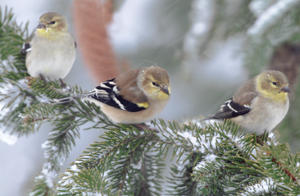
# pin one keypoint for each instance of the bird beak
(41, 26)
(165, 90)
(286, 89)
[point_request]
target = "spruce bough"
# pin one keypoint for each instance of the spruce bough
(173, 158)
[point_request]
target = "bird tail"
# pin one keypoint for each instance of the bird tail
(63, 100)
(206, 119)
(25, 48)
(70, 99)
(66, 100)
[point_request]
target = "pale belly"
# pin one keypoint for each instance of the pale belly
(52, 59)
(121, 116)
(266, 117)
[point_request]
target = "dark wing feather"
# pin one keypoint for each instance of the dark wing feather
(240, 103)
(129, 89)
(231, 109)
(26, 48)
(108, 93)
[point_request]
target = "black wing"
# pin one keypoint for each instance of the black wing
(26, 48)
(231, 109)
(107, 92)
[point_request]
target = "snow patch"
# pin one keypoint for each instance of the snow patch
(92, 194)
(200, 123)
(209, 158)
(263, 186)
(53, 159)
(7, 138)
(271, 16)
(259, 6)
(49, 174)
(201, 16)
(74, 168)
(66, 179)
(137, 166)
(188, 136)
(201, 143)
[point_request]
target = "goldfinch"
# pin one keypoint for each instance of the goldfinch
(260, 104)
(51, 51)
(133, 97)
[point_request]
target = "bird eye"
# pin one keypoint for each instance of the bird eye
(52, 22)
(275, 83)
(155, 84)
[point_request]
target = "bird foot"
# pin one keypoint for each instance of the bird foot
(62, 83)
(143, 126)
(42, 77)
(260, 139)
(30, 80)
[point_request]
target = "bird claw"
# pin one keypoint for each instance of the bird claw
(143, 126)
(62, 83)
(30, 80)
(42, 77)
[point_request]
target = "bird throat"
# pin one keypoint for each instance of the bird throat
(46, 33)
(278, 96)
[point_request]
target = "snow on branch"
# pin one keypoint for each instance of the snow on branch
(263, 187)
(271, 15)
(201, 17)
(128, 159)
(7, 138)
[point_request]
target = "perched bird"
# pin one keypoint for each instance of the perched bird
(260, 104)
(132, 97)
(51, 51)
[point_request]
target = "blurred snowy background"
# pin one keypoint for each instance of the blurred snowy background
(208, 46)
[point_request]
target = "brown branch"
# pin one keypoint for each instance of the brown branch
(280, 165)
(286, 171)
(286, 58)
(91, 18)
(29, 120)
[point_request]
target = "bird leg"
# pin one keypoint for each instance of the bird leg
(260, 139)
(62, 83)
(30, 80)
(42, 77)
(143, 126)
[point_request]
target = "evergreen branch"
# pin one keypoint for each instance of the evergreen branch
(280, 171)
(216, 159)
(264, 186)
(181, 181)
(151, 171)
(41, 187)
(268, 32)
(83, 183)
(221, 170)
(20, 95)
(26, 99)
(135, 145)
(67, 120)
(286, 171)
(271, 15)
(126, 144)
(12, 37)
(101, 154)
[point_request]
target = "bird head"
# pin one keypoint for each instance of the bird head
(155, 83)
(273, 84)
(50, 23)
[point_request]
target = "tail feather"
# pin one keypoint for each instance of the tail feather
(26, 48)
(72, 98)
(64, 100)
